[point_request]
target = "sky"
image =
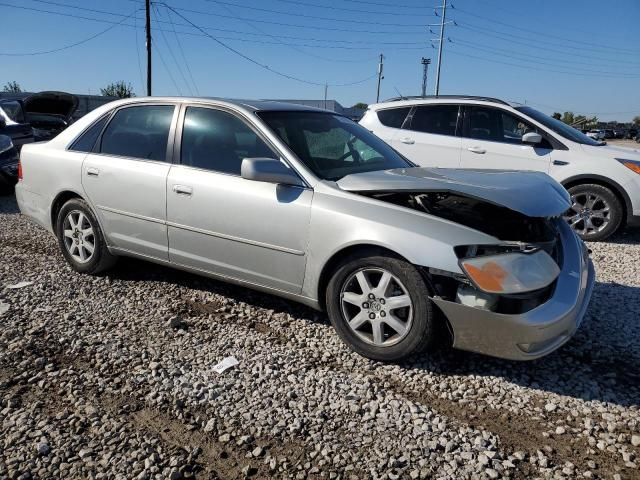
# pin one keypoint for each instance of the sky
(570, 55)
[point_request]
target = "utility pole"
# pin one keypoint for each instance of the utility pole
(148, 12)
(326, 86)
(380, 77)
(425, 64)
(442, 23)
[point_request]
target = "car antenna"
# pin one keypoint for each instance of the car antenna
(402, 97)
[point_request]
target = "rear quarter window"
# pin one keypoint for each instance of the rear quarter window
(393, 117)
(86, 141)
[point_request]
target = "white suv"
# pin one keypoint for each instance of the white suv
(487, 133)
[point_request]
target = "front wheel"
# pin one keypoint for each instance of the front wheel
(379, 305)
(595, 213)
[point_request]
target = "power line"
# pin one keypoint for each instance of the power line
(313, 17)
(266, 67)
(173, 57)
(135, 22)
(66, 47)
(528, 55)
(527, 58)
(184, 58)
(528, 67)
(609, 48)
(294, 47)
(395, 5)
(311, 27)
(173, 80)
(343, 9)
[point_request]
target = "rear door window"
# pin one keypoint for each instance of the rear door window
(139, 132)
(393, 117)
(436, 119)
(87, 140)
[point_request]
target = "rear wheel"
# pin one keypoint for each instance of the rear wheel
(81, 239)
(380, 307)
(595, 213)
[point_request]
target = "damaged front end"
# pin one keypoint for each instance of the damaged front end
(519, 297)
(521, 237)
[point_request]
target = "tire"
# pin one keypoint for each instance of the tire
(596, 212)
(77, 217)
(417, 320)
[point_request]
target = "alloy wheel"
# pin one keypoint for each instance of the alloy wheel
(79, 237)
(376, 306)
(589, 214)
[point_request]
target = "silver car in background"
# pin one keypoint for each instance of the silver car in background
(308, 205)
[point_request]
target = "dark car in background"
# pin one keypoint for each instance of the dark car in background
(8, 164)
(631, 133)
(48, 113)
(608, 133)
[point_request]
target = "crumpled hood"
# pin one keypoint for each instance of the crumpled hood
(51, 103)
(531, 193)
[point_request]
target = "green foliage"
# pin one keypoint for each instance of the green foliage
(636, 120)
(118, 89)
(557, 115)
(361, 105)
(13, 87)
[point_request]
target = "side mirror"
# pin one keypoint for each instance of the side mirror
(532, 138)
(269, 170)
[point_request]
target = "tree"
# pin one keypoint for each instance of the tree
(118, 89)
(636, 120)
(568, 118)
(13, 87)
(557, 115)
(361, 105)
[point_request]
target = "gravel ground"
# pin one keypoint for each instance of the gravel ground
(112, 377)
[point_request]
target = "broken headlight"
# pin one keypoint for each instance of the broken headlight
(510, 273)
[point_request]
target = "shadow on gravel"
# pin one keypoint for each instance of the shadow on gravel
(626, 236)
(8, 204)
(602, 361)
(129, 269)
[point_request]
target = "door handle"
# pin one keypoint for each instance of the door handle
(408, 141)
(92, 171)
(560, 162)
(183, 190)
(477, 150)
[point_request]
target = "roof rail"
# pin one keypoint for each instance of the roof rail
(445, 97)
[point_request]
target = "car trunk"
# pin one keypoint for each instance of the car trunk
(49, 112)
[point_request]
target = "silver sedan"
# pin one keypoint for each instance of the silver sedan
(308, 205)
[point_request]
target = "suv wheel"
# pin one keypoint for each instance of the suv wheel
(81, 239)
(380, 307)
(595, 213)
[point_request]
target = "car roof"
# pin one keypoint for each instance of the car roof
(429, 100)
(246, 105)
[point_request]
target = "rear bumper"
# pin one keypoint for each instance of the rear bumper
(535, 333)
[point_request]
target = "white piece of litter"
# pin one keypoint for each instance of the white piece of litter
(225, 364)
(4, 308)
(19, 285)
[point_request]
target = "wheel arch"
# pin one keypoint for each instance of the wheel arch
(339, 256)
(612, 185)
(60, 199)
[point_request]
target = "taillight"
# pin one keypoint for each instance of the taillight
(19, 170)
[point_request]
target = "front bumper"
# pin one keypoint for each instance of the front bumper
(535, 333)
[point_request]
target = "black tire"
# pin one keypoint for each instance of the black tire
(100, 260)
(614, 217)
(422, 332)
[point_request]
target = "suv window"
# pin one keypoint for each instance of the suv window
(86, 141)
(393, 117)
(496, 125)
(139, 132)
(219, 141)
(438, 119)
